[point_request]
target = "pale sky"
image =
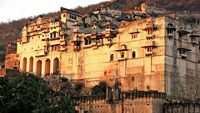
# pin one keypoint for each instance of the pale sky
(16, 9)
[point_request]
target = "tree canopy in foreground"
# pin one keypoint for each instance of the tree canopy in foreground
(25, 93)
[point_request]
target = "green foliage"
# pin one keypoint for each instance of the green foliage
(29, 94)
(99, 89)
(2, 47)
(78, 88)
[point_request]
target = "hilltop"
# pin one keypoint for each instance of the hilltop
(13, 29)
(172, 5)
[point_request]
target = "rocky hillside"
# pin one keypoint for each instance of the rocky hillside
(173, 5)
(12, 29)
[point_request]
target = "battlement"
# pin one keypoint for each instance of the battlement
(133, 101)
(123, 95)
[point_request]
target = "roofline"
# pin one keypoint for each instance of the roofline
(62, 9)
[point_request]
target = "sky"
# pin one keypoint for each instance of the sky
(16, 9)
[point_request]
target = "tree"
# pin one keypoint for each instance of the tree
(99, 89)
(25, 93)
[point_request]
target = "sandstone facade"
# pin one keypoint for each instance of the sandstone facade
(145, 53)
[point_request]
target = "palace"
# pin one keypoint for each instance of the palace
(144, 52)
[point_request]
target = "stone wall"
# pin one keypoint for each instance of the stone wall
(128, 102)
(182, 106)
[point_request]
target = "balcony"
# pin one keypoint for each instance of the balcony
(45, 31)
(194, 37)
(122, 59)
(87, 46)
(170, 35)
(41, 52)
(171, 27)
(63, 42)
(122, 47)
(87, 35)
(53, 41)
(194, 41)
(183, 55)
(76, 39)
(108, 42)
(134, 31)
(183, 31)
(183, 45)
(109, 33)
(150, 36)
(150, 44)
(62, 39)
(150, 26)
(149, 53)
(63, 48)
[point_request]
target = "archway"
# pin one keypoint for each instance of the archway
(39, 68)
(24, 64)
(56, 66)
(31, 65)
(47, 67)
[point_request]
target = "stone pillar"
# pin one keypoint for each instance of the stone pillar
(43, 68)
(51, 66)
(34, 65)
(27, 64)
(21, 63)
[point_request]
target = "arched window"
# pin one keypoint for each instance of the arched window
(47, 67)
(39, 68)
(170, 28)
(133, 54)
(56, 66)
(111, 57)
(24, 64)
(31, 64)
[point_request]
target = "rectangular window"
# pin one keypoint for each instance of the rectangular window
(72, 17)
(134, 35)
(183, 53)
(149, 49)
(53, 35)
(169, 31)
(55, 48)
(87, 41)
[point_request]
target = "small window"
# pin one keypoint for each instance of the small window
(133, 54)
(182, 51)
(72, 17)
(134, 35)
(170, 31)
(87, 41)
(112, 57)
(148, 87)
(122, 54)
(53, 35)
(132, 78)
(150, 31)
(149, 49)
